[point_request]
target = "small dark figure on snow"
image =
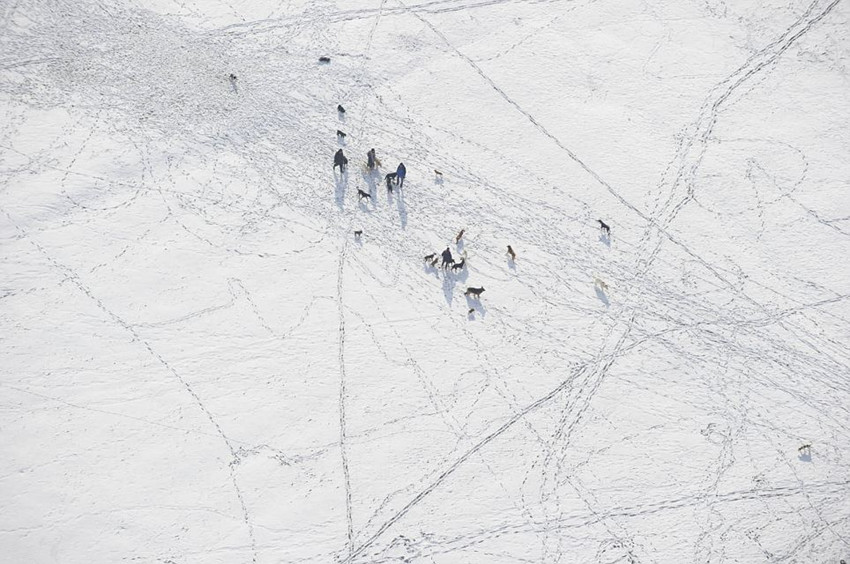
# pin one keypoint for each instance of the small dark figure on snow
(471, 311)
(474, 292)
(340, 134)
(447, 258)
(232, 77)
(390, 179)
(511, 253)
(460, 236)
(370, 159)
(358, 233)
(458, 265)
(429, 258)
(400, 173)
(363, 195)
(340, 160)
(324, 59)
(340, 109)
(604, 227)
(434, 262)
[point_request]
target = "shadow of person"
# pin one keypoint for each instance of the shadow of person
(402, 210)
(448, 287)
(341, 185)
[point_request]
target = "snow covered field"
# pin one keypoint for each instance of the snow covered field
(199, 363)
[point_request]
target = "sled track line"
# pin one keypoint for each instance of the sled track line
(444, 411)
(342, 394)
(457, 463)
(769, 54)
(136, 337)
(661, 228)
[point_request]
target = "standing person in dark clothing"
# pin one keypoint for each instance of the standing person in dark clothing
(340, 160)
(448, 260)
(400, 172)
(370, 159)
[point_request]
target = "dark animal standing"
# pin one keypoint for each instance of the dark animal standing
(361, 194)
(458, 265)
(459, 236)
(340, 109)
(340, 134)
(430, 257)
(340, 160)
(604, 227)
(438, 173)
(358, 233)
(447, 258)
(511, 253)
(474, 292)
(324, 59)
(390, 178)
(471, 311)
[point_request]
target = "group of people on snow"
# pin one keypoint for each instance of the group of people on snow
(372, 163)
(397, 179)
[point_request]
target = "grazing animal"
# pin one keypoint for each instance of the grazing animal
(324, 59)
(438, 173)
(459, 236)
(601, 283)
(474, 292)
(458, 265)
(447, 258)
(430, 257)
(511, 253)
(604, 227)
(358, 233)
(361, 194)
(340, 160)
(340, 134)
(340, 109)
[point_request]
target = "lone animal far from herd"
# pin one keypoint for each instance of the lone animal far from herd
(396, 179)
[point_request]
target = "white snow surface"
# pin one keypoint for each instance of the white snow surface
(199, 363)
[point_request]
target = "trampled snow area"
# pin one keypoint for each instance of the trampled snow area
(200, 363)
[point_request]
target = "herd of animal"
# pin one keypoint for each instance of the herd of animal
(448, 262)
